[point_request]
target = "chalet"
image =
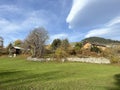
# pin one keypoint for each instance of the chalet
(18, 49)
(100, 46)
(14, 50)
(88, 45)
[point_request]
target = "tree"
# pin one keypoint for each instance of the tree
(18, 43)
(61, 51)
(10, 49)
(10, 45)
(60, 54)
(36, 41)
(95, 49)
(78, 47)
(65, 44)
(55, 44)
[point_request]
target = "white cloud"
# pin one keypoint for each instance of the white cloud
(58, 36)
(8, 30)
(100, 15)
(72, 37)
(10, 8)
(76, 7)
(7, 26)
(97, 32)
(110, 30)
(114, 21)
(61, 36)
(76, 37)
(13, 29)
(92, 13)
(3, 22)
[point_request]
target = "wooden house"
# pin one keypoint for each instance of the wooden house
(88, 46)
(14, 50)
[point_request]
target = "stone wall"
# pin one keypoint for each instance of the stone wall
(76, 59)
(91, 60)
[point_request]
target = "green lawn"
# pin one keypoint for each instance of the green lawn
(20, 74)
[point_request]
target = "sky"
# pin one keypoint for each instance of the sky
(72, 19)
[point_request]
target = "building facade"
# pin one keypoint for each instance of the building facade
(1, 42)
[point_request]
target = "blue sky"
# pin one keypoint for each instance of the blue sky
(72, 19)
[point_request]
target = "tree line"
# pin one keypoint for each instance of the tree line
(35, 45)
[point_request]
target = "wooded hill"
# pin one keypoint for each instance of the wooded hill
(101, 40)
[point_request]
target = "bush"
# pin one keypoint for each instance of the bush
(3, 51)
(60, 54)
(114, 59)
(55, 44)
(111, 53)
(71, 51)
(95, 49)
(78, 47)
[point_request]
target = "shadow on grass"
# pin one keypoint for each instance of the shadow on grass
(5, 73)
(6, 76)
(117, 82)
(28, 78)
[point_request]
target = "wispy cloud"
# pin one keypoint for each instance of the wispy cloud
(72, 37)
(7, 27)
(96, 18)
(110, 30)
(13, 28)
(92, 13)
(114, 21)
(58, 36)
(10, 8)
(76, 7)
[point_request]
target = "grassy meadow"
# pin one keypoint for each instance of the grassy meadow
(20, 74)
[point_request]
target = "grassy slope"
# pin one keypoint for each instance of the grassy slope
(19, 74)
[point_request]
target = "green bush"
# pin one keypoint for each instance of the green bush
(95, 49)
(78, 47)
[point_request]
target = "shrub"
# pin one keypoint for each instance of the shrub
(78, 47)
(55, 44)
(60, 54)
(111, 53)
(71, 51)
(3, 51)
(95, 49)
(114, 59)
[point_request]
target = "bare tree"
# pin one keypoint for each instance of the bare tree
(36, 41)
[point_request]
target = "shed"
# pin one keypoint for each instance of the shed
(18, 50)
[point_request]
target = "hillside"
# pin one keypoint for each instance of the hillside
(101, 40)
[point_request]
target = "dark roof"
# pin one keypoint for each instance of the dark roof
(98, 45)
(94, 44)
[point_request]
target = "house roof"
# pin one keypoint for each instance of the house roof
(95, 44)
(16, 47)
(98, 45)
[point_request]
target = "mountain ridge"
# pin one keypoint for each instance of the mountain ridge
(101, 40)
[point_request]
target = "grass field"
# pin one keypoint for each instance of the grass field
(20, 74)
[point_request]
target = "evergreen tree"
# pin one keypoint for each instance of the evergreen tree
(55, 44)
